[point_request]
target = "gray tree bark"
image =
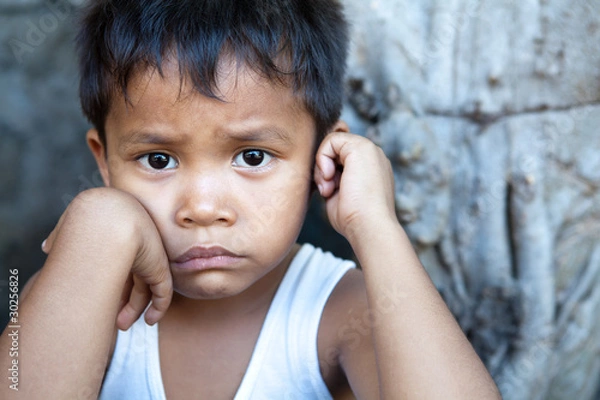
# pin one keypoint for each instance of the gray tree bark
(489, 111)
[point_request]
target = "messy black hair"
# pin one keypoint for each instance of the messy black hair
(302, 43)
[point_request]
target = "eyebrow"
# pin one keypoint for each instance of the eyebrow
(143, 137)
(260, 134)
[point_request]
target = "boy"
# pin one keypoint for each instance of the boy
(209, 131)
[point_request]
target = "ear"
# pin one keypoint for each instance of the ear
(340, 126)
(99, 151)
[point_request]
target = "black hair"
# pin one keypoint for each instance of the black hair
(301, 43)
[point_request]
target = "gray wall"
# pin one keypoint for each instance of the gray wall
(43, 157)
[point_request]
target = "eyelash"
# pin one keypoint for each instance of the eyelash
(146, 160)
(265, 155)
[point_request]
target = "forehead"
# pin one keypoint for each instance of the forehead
(242, 95)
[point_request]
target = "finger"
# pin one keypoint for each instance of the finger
(126, 292)
(329, 162)
(320, 180)
(326, 169)
(162, 293)
(337, 178)
(326, 186)
(152, 266)
(333, 151)
(326, 158)
(138, 300)
(49, 241)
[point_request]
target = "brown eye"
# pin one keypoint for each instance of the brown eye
(157, 161)
(252, 158)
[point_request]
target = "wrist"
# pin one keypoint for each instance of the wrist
(375, 230)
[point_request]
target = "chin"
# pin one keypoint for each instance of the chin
(207, 289)
(204, 294)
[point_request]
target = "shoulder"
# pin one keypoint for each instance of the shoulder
(345, 321)
(345, 342)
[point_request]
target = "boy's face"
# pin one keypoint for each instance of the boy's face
(215, 176)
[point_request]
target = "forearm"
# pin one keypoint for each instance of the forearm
(421, 351)
(67, 320)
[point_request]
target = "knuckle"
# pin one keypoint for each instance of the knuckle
(164, 276)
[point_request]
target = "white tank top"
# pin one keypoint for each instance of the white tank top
(284, 363)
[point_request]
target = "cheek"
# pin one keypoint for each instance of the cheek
(286, 203)
(155, 200)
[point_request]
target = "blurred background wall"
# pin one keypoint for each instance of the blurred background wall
(489, 111)
(43, 157)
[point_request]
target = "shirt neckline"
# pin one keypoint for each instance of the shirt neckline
(157, 387)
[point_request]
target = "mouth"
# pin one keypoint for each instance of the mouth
(202, 258)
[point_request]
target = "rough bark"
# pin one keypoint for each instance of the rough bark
(489, 112)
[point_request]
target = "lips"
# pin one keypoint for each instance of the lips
(200, 258)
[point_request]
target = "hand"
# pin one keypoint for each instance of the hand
(114, 216)
(355, 177)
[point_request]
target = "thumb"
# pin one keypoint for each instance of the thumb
(49, 241)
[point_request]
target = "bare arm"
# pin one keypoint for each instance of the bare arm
(421, 351)
(68, 316)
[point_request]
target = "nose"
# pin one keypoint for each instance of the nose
(205, 202)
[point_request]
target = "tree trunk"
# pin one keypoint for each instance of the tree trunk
(489, 112)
